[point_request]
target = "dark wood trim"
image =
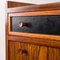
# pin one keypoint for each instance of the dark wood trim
(44, 42)
(11, 4)
(42, 7)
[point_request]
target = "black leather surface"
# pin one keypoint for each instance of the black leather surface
(38, 24)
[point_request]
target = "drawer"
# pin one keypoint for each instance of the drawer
(26, 51)
(36, 24)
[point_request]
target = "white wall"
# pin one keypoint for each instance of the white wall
(37, 1)
(2, 29)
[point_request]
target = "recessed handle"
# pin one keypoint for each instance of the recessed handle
(22, 24)
(22, 51)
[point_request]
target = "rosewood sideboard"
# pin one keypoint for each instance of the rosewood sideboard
(33, 32)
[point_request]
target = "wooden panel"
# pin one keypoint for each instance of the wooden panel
(43, 53)
(41, 7)
(44, 42)
(11, 4)
(11, 51)
(17, 55)
(58, 54)
(37, 13)
(52, 53)
(33, 52)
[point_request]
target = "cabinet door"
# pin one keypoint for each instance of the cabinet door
(25, 51)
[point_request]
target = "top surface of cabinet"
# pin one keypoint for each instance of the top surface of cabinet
(32, 8)
(11, 4)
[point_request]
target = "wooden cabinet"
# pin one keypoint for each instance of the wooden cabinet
(33, 32)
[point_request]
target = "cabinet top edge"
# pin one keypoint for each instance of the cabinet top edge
(31, 8)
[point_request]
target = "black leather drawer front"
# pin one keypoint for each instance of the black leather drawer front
(36, 24)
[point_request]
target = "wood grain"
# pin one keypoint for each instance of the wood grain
(11, 4)
(43, 53)
(44, 42)
(31, 8)
(36, 13)
(11, 51)
(17, 53)
(58, 54)
(34, 52)
(52, 53)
